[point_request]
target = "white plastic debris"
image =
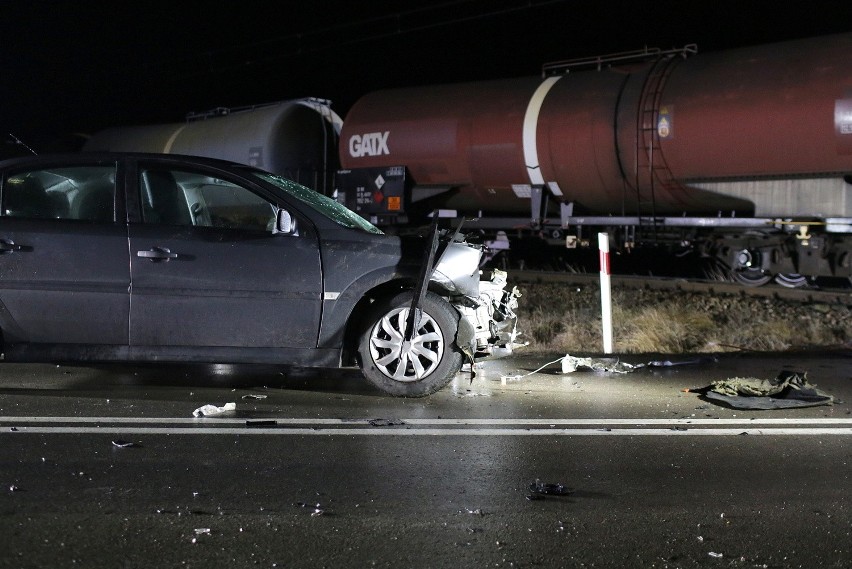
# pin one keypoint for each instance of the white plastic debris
(571, 364)
(504, 379)
(208, 410)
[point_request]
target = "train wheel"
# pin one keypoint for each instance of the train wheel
(751, 277)
(791, 280)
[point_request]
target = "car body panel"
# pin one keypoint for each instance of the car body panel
(62, 253)
(224, 288)
(225, 281)
(381, 259)
(62, 271)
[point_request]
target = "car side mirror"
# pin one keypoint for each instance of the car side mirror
(284, 222)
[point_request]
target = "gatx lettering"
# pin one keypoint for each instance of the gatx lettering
(369, 144)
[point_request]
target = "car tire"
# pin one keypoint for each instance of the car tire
(421, 367)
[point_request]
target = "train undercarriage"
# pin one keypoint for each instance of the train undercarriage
(750, 251)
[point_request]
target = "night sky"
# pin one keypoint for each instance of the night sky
(77, 67)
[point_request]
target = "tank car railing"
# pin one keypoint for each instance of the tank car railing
(614, 59)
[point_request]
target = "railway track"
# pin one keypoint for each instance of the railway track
(842, 296)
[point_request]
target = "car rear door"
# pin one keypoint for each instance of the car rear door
(64, 270)
(208, 269)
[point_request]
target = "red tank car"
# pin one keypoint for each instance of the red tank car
(726, 147)
(648, 132)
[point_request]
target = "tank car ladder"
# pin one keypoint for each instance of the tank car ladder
(651, 169)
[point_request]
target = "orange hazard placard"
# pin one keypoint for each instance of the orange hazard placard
(394, 203)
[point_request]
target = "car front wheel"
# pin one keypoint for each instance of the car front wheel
(417, 367)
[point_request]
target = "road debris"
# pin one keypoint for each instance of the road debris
(254, 396)
(517, 377)
(125, 444)
(570, 364)
(386, 422)
(200, 532)
(541, 489)
(209, 410)
(789, 389)
(316, 509)
(261, 423)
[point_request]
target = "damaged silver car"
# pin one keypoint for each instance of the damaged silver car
(165, 258)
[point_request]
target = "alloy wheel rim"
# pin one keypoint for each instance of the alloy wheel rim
(401, 360)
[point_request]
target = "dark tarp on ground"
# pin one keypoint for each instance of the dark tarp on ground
(790, 389)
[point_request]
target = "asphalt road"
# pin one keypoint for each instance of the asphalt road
(322, 471)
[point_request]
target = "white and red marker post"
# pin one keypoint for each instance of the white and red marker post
(606, 292)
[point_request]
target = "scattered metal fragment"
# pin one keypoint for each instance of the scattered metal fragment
(208, 410)
(385, 422)
(261, 423)
(317, 509)
(199, 532)
(571, 364)
(544, 488)
(125, 444)
(14, 488)
(254, 396)
(614, 365)
(714, 554)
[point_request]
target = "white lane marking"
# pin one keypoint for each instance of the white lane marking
(421, 427)
(367, 421)
(795, 431)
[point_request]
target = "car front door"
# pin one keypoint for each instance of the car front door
(64, 276)
(208, 268)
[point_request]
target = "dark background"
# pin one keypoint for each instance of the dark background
(77, 67)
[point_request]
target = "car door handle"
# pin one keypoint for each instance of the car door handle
(157, 254)
(7, 246)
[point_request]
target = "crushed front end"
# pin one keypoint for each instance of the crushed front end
(488, 323)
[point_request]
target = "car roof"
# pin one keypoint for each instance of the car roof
(72, 157)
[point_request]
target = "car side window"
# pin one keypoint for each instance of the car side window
(174, 197)
(70, 192)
